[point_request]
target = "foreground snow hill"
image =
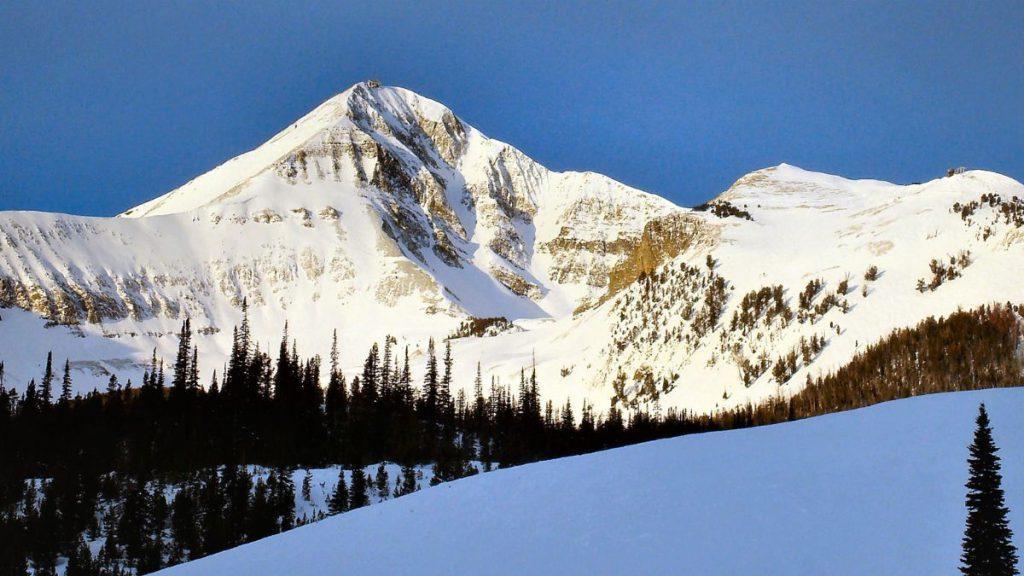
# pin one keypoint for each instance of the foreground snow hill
(871, 491)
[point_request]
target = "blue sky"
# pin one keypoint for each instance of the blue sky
(105, 105)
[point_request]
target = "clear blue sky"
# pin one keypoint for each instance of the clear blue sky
(103, 106)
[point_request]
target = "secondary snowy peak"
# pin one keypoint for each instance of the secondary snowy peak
(787, 186)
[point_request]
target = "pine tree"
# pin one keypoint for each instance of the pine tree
(284, 498)
(371, 377)
(339, 499)
(382, 482)
(336, 399)
(65, 385)
(358, 496)
(478, 399)
(987, 543)
(80, 561)
(408, 484)
(430, 384)
(160, 376)
(405, 391)
(285, 384)
(181, 361)
(307, 486)
(385, 371)
(444, 392)
(184, 527)
(46, 387)
(193, 371)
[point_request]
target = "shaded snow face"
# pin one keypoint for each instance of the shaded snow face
(871, 491)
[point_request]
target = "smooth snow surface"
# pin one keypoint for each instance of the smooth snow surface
(871, 491)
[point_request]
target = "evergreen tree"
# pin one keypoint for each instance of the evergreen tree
(307, 486)
(358, 497)
(339, 499)
(381, 480)
(193, 371)
(988, 540)
(405, 392)
(385, 371)
(181, 362)
(479, 403)
(160, 377)
(283, 496)
(65, 386)
(80, 561)
(336, 398)
(371, 377)
(444, 392)
(184, 527)
(46, 386)
(408, 482)
(430, 385)
(262, 521)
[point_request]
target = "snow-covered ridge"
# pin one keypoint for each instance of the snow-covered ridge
(871, 491)
(686, 338)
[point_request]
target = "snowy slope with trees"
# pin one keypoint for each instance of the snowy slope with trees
(873, 491)
(381, 212)
(789, 274)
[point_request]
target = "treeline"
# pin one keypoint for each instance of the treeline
(968, 350)
(108, 458)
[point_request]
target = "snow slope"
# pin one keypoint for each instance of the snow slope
(872, 491)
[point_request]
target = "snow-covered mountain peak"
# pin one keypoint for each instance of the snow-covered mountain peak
(788, 185)
(381, 212)
(365, 109)
(378, 208)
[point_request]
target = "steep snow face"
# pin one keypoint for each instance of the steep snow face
(378, 212)
(872, 491)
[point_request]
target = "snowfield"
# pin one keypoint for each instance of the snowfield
(871, 491)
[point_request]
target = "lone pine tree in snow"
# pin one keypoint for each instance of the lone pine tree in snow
(339, 500)
(988, 546)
